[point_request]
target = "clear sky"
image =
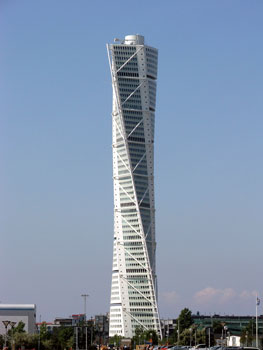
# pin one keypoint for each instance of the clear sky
(56, 202)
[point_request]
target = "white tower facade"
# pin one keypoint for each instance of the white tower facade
(134, 286)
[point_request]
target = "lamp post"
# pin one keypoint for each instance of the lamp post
(225, 329)
(38, 343)
(77, 338)
(178, 331)
(190, 330)
(13, 325)
(86, 332)
(91, 332)
(6, 324)
(252, 331)
(246, 337)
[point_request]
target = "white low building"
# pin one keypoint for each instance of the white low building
(16, 313)
(233, 340)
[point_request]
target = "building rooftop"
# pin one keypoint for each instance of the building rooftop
(17, 306)
(132, 40)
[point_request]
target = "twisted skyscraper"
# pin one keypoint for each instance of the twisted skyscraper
(134, 287)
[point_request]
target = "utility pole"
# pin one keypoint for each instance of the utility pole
(38, 345)
(252, 331)
(77, 338)
(257, 303)
(84, 296)
(6, 323)
(167, 332)
(178, 331)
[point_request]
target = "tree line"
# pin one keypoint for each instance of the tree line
(185, 332)
(59, 338)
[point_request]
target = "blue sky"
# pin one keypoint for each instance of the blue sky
(56, 199)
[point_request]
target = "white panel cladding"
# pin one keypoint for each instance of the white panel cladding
(149, 139)
(133, 297)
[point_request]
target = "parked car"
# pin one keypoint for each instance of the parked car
(200, 346)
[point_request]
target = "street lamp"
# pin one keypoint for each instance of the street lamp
(85, 306)
(91, 331)
(246, 337)
(178, 331)
(6, 324)
(225, 329)
(228, 337)
(13, 325)
(252, 330)
(190, 330)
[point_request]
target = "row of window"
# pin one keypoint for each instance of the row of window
(126, 89)
(126, 74)
(132, 298)
(122, 59)
(136, 98)
(153, 72)
(127, 68)
(133, 106)
(151, 53)
(129, 258)
(124, 47)
(151, 60)
(143, 286)
(135, 270)
(128, 82)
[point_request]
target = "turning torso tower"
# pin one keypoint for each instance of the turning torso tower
(134, 287)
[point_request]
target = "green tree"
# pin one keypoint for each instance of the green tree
(138, 338)
(47, 344)
(247, 333)
(217, 327)
(21, 339)
(185, 337)
(61, 338)
(65, 337)
(44, 333)
(142, 336)
(32, 341)
(70, 342)
(184, 320)
(29, 341)
(151, 335)
(12, 331)
(193, 335)
(2, 341)
(20, 328)
(116, 340)
(201, 336)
